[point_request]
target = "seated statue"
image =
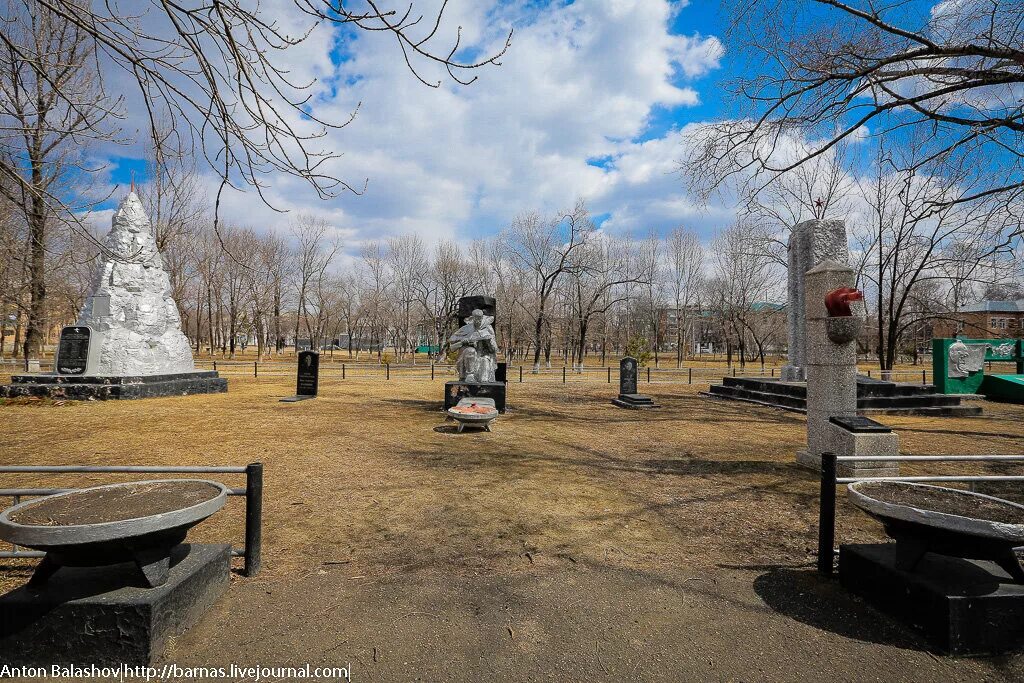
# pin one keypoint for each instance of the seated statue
(478, 350)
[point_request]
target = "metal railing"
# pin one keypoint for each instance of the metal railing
(253, 493)
(830, 480)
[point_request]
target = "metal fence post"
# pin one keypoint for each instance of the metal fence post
(648, 374)
(520, 374)
(253, 518)
(255, 368)
(924, 377)
(387, 371)
(827, 513)
(343, 371)
(431, 372)
(563, 374)
(609, 374)
(689, 375)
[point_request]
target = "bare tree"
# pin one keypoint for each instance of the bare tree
(314, 252)
(830, 71)
(51, 106)
(215, 73)
(595, 285)
(916, 233)
(685, 271)
(546, 249)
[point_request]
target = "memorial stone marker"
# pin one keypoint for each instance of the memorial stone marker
(73, 351)
(307, 379)
(127, 341)
(810, 243)
(627, 375)
(477, 361)
(628, 397)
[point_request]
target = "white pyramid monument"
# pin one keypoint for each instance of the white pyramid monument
(131, 311)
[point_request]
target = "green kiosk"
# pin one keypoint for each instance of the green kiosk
(958, 367)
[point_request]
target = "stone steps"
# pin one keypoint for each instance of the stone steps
(873, 396)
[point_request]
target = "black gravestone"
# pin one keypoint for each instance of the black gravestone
(309, 373)
(501, 373)
(628, 397)
(468, 304)
(627, 375)
(73, 351)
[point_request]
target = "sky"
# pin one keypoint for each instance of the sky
(588, 103)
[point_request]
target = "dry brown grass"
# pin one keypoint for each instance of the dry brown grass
(369, 474)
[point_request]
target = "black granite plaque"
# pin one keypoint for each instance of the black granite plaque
(627, 375)
(467, 304)
(309, 373)
(859, 424)
(501, 373)
(73, 351)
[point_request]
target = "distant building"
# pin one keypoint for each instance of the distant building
(984, 320)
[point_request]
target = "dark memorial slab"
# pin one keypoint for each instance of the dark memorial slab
(455, 390)
(93, 615)
(307, 381)
(468, 304)
(628, 397)
(628, 368)
(962, 606)
(73, 350)
(501, 373)
(859, 424)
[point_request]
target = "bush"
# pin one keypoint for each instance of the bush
(639, 348)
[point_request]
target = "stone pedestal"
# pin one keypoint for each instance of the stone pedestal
(86, 388)
(454, 391)
(832, 380)
(84, 616)
(963, 607)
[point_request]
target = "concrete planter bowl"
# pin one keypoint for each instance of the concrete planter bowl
(923, 518)
(478, 412)
(137, 522)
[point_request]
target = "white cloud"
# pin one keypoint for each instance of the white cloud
(580, 82)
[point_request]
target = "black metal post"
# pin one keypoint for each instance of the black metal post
(387, 371)
(431, 372)
(689, 375)
(255, 368)
(520, 374)
(827, 514)
(648, 374)
(924, 377)
(563, 374)
(253, 518)
(343, 371)
(609, 374)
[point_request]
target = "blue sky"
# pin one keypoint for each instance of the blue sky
(588, 103)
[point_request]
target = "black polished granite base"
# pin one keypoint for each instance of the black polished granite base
(874, 396)
(635, 401)
(963, 607)
(97, 388)
(455, 391)
(93, 615)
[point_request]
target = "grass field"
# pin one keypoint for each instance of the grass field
(370, 481)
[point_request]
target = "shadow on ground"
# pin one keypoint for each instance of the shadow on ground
(807, 597)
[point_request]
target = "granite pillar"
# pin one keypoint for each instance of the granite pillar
(810, 243)
(832, 382)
